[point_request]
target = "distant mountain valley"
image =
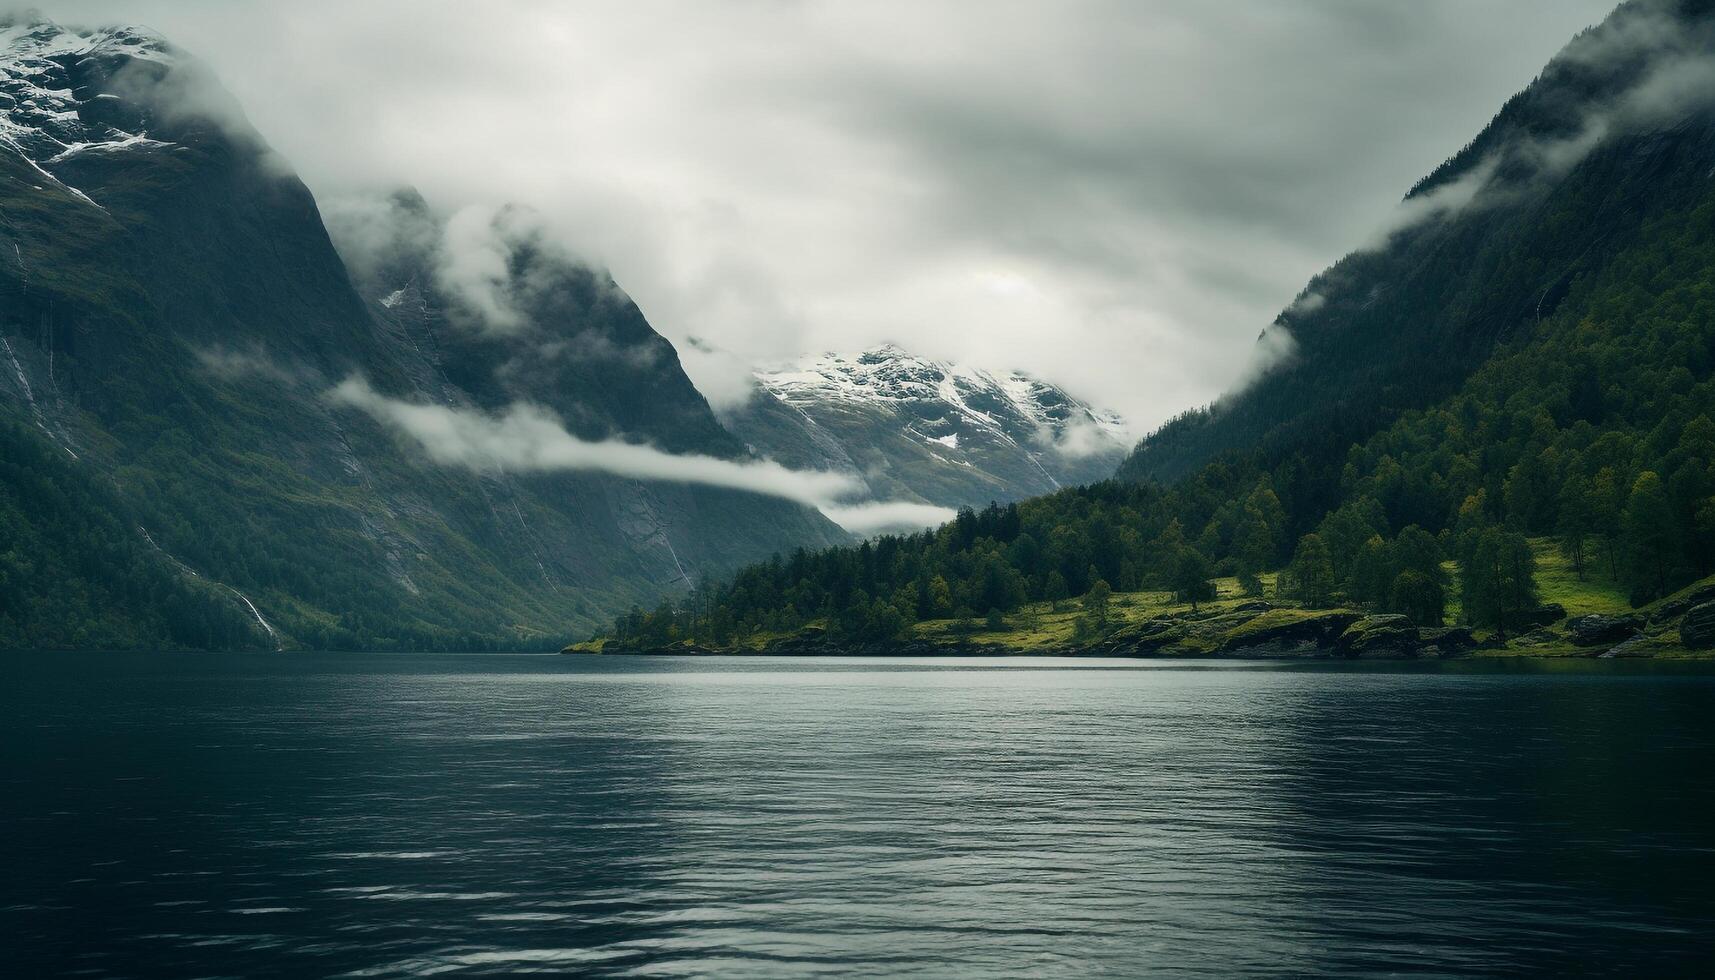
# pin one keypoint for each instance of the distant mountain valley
(930, 431)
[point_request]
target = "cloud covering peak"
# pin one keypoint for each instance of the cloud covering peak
(1116, 195)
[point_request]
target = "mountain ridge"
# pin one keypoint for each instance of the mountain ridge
(938, 432)
(176, 320)
(1467, 260)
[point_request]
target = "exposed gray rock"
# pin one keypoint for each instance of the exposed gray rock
(1446, 642)
(1220, 625)
(1675, 608)
(1149, 636)
(1542, 615)
(1380, 636)
(1637, 646)
(1697, 629)
(1599, 630)
(1317, 633)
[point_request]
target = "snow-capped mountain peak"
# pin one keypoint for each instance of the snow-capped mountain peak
(1014, 405)
(947, 433)
(55, 98)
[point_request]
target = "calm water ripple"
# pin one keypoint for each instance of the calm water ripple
(426, 815)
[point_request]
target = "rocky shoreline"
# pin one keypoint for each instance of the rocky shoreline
(1680, 627)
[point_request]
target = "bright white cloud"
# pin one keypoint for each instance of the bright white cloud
(881, 516)
(475, 250)
(529, 438)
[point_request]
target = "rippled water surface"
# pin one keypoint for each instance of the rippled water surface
(385, 815)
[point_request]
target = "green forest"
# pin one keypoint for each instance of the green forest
(75, 572)
(1594, 426)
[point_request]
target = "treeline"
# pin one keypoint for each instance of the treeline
(1595, 426)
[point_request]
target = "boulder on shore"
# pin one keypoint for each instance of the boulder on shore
(1149, 636)
(1289, 631)
(1380, 636)
(1597, 630)
(1543, 615)
(1674, 608)
(1446, 641)
(1216, 627)
(1697, 629)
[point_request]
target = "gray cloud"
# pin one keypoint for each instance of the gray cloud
(1114, 195)
(1079, 438)
(474, 264)
(526, 438)
(375, 231)
(724, 378)
(232, 364)
(1275, 347)
(472, 259)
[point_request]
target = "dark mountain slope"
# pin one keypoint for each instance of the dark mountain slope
(566, 337)
(1564, 179)
(174, 316)
(74, 572)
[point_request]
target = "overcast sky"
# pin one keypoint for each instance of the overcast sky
(1114, 194)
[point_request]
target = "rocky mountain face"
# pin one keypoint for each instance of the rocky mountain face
(1615, 133)
(173, 320)
(922, 430)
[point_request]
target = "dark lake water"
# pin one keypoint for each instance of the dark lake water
(388, 815)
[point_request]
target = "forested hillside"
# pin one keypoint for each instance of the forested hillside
(1589, 417)
(1569, 176)
(175, 323)
(74, 572)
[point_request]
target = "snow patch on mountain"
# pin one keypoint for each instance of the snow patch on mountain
(915, 428)
(43, 115)
(1014, 407)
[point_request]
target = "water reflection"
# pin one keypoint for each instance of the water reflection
(411, 815)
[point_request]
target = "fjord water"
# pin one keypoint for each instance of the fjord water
(382, 815)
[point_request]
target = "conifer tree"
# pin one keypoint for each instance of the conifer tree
(1652, 538)
(1498, 580)
(1310, 577)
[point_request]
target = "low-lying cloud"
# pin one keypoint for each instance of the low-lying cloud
(474, 264)
(527, 438)
(1114, 195)
(1674, 76)
(232, 364)
(1275, 348)
(1081, 437)
(880, 516)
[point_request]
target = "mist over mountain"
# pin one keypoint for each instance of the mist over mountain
(180, 329)
(1612, 135)
(929, 431)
